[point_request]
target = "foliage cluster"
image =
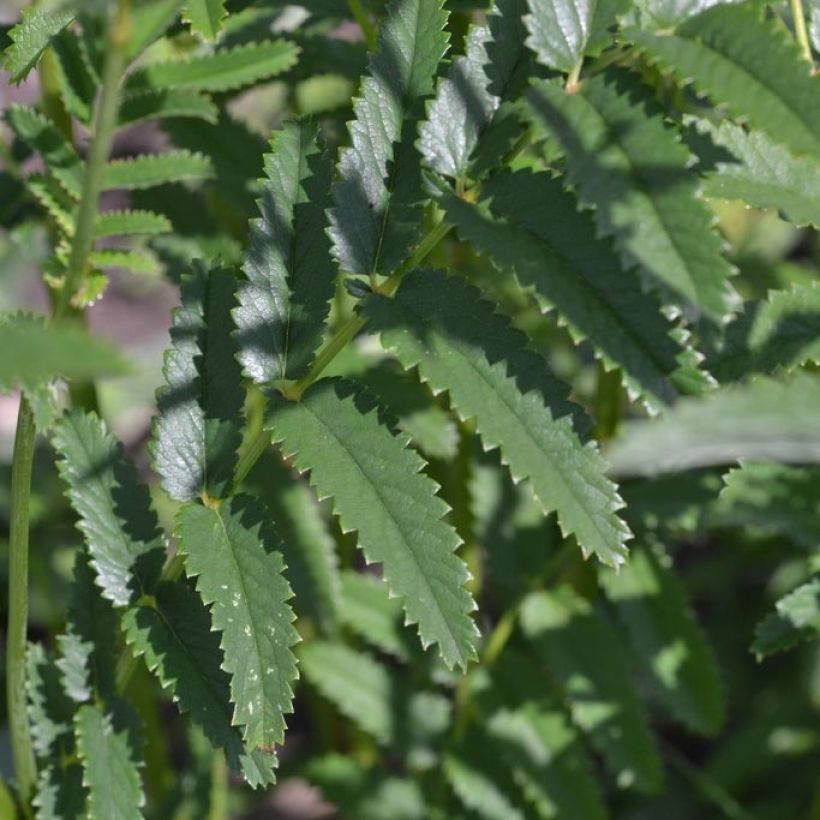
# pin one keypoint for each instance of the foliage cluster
(510, 287)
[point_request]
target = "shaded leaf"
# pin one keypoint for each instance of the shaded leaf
(797, 619)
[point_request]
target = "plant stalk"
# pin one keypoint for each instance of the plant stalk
(21, 748)
(800, 31)
(104, 125)
(367, 27)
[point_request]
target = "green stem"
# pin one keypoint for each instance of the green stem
(104, 125)
(368, 29)
(800, 31)
(218, 809)
(21, 748)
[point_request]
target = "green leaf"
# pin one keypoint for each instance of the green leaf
(225, 70)
(366, 608)
(561, 31)
(284, 303)
(308, 547)
(86, 663)
(765, 420)
(107, 746)
(431, 428)
(50, 710)
(579, 647)
(373, 697)
(377, 487)
(125, 543)
(176, 640)
(54, 199)
(532, 227)
(127, 223)
(231, 550)
(140, 106)
(781, 333)
(198, 431)
(149, 21)
(378, 196)
(797, 619)
(133, 261)
(751, 66)
(60, 793)
(468, 99)
(78, 83)
(460, 344)
(631, 167)
(774, 498)
(669, 643)
(205, 17)
(31, 36)
(34, 352)
(666, 14)
(748, 165)
(44, 137)
(148, 170)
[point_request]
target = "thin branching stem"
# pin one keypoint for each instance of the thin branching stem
(800, 31)
(21, 748)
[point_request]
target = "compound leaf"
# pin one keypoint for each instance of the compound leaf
(231, 550)
(31, 36)
(284, 302)
(130, 223)
(460, 344)
(377, 488)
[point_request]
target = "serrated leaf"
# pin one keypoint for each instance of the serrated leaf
(86, 663)
(378, 489)
(797, 619)
(231, 550)
(34, 352)
(780, 333)
(366, 608)
(205, 17)
(584, 653)
(167, 103)
(128, 223)
(148, 170)
(44, 137)
(765, 420)
(308, 547)
(107, 746)
(31, 36)
(460, 344)
(78, 83)
(561, 31)
(177, 642)
(749, 65)
(125, 543)
(133, 261)
(774, 498)
(376, 216)
(632, 169)
(198, 430)
(467, 100)
(532, 227)
(748, 165)
(284, 303)
(50, 710)
(224, 70)
(54, 199)
(149, 20)
(60, 794)
(668, 641)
